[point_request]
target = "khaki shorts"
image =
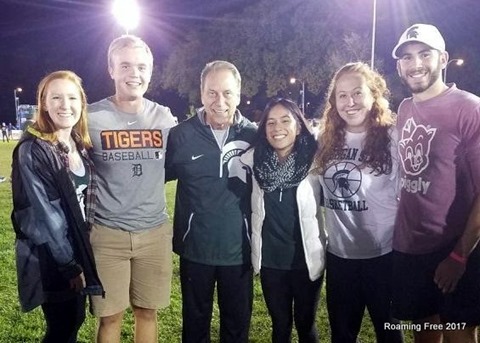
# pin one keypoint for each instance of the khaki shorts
(134, 267)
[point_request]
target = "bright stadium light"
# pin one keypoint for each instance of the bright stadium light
(127, 14)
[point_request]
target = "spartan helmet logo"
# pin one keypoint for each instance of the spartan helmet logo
(343, 179)
(231, 155)
(412, 33)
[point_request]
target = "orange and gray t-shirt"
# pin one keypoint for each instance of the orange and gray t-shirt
(129, 156)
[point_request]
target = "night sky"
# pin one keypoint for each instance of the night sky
(40, 36)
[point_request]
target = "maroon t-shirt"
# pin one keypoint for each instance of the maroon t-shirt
(439, 147)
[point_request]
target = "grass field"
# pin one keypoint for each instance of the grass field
(17, 327)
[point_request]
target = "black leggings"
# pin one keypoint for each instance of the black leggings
(64, 319)
(291, 296)
(352, 285)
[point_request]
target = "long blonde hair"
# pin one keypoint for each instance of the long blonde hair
(43, 122)
(376, 147)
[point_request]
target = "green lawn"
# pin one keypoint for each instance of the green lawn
(17, 327)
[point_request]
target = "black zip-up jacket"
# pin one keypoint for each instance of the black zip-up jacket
(212, 205)
(52, 237)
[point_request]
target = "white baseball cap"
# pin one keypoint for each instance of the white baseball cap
(421, 33)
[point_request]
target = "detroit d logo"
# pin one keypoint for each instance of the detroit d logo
(137, 170)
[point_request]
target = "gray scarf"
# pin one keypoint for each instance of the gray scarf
(271, 174)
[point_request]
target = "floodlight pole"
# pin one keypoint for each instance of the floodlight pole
(374, 28)
(18, 89)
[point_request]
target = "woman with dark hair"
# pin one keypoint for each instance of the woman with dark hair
(358, 170)
(53, 184)
(288, 242)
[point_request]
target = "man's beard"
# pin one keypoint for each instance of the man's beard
(418, 88)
